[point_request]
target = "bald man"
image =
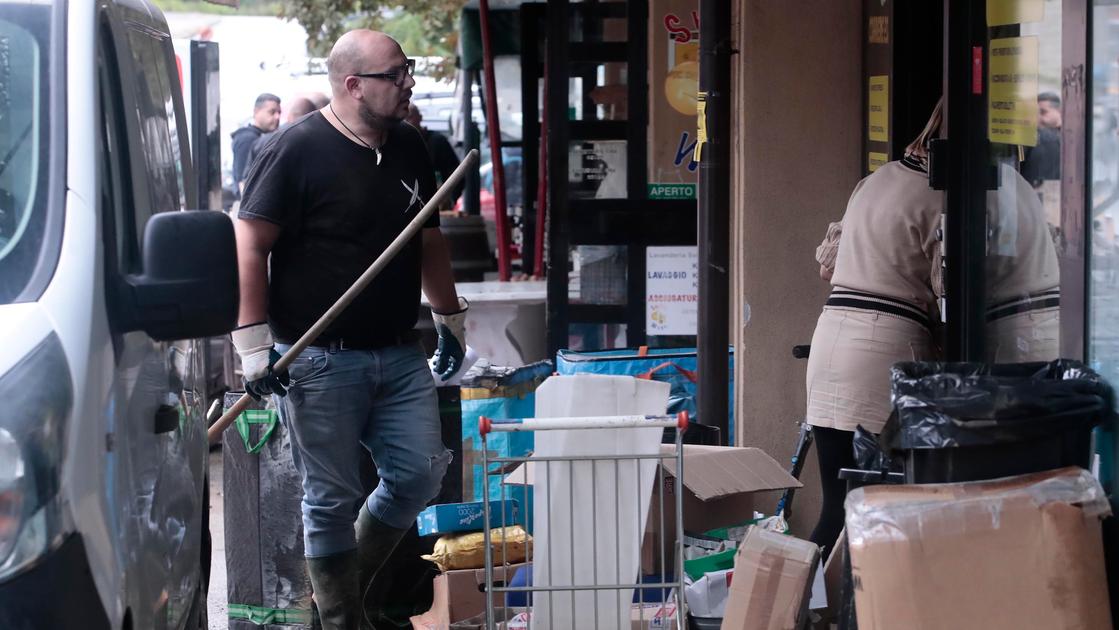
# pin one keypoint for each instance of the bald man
(325, 197)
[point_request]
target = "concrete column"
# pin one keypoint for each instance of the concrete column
(797, 155)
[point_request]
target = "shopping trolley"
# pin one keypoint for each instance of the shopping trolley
(555, 585)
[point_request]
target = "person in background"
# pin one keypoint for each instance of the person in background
(1043, 161)
(300, 107)
(443, 155)
(319, 99)
(266, 118)
(324, 199)
(1049, 110)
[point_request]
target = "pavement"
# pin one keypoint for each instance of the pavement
(216, 599)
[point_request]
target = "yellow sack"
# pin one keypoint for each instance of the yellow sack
(467, 551)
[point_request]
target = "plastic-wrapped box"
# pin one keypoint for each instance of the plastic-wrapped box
(1015, 553)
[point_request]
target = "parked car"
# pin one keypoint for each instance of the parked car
(107, 285)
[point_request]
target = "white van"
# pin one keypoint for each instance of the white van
(107, 285)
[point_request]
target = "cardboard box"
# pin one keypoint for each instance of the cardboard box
(719, 487)
(644, 617)
(719, 482)
(1022, 552)
(452, 518)
(460, 595)
(772, 582)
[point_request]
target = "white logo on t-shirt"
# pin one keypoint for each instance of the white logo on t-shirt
(414, 189)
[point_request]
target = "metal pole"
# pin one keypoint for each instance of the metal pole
(714, 212)
(968, 173)
(471, 204)
(486, 540)
(542, 187)
(493, 130)
(557, 58)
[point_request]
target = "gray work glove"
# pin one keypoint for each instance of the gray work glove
(258, 357)
(451, 328)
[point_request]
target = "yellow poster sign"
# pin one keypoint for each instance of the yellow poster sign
(875, 160)
(878, 109)
(1000, 12)
(1012, 91)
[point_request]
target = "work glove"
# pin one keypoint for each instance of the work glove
(451, 328)
(258, 357)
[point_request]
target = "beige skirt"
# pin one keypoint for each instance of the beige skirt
(849, 365)
(1030, 336)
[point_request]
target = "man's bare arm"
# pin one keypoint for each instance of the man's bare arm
(255, 239)
(438, 279)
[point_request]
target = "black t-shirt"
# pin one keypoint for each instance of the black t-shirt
(443, 158)
(339, 210)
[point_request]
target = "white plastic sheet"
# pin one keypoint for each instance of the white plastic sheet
(590, 515)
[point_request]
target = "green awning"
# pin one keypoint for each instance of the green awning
(505, 28)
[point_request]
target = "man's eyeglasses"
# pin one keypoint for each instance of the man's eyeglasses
(397, 75)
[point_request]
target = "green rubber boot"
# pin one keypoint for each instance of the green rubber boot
(375, 543)
(334, 579)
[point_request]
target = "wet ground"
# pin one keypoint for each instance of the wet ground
(218, 610)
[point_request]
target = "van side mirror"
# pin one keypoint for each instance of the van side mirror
(188, 286)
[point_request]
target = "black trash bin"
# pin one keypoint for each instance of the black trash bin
(974, 421)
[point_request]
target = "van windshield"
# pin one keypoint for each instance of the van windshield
(24, 101)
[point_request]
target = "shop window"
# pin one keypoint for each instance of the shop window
(590, 337)
(598, 275)
(1103, 248)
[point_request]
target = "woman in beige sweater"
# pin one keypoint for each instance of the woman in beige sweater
(884, 263)
(885, 272)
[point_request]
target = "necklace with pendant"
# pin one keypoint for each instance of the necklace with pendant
(359, 139)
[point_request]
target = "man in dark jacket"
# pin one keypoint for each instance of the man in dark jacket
(443, 155)
(266, 118)
(300, 107)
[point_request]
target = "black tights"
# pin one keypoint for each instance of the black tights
(834, 450)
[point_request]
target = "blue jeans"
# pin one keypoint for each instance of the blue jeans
(342, 401)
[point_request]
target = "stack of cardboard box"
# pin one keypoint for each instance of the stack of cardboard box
(460, 594)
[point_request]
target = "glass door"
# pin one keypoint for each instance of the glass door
(1026, 240)
(1015, 179)
(1103, 261)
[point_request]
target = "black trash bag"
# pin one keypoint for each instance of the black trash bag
(973, 421)
(869, 454)
(943, 405)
